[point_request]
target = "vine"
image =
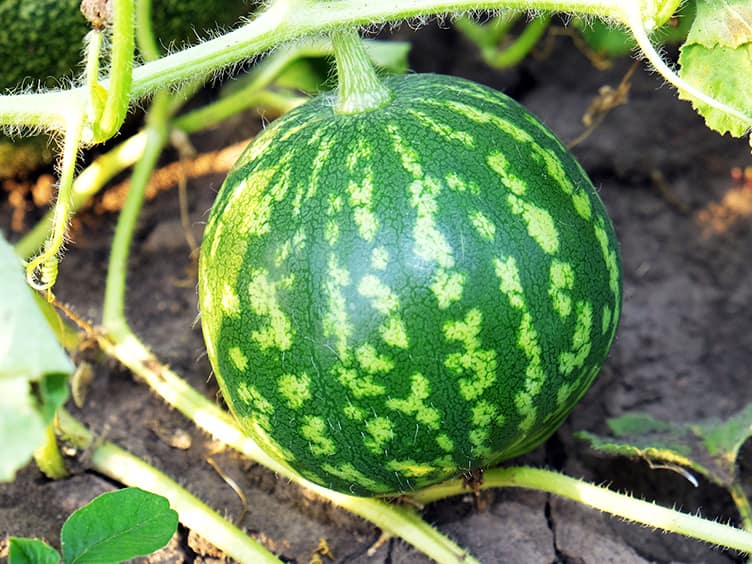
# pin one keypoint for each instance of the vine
(94, 112)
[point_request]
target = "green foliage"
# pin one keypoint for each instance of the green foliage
(709, 447)
(113, 527)
(717, 57)
(31, 551)
(33, 368)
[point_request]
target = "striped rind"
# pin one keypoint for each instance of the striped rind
(393, 297)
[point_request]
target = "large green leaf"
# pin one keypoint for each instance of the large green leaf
(709, 447)
(717, 59)
(118, 526)
(31, 551)
(32, 368)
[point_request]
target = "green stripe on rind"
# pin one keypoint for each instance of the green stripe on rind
(377, 388)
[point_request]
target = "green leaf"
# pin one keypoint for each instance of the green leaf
(709, 447)
(29, 356)
(31, 551)
(722, 22)
(118, 526)
(717, 59)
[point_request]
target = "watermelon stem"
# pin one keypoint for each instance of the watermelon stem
(603, 499)
(360, 89)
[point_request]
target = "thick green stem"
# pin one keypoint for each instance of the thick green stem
(121, 69)
(358, 89)
(48, 457)
(282, 22)
(147, 42)
(127, 469)
(396, 521)
(157, 134)
(97, 96)
(621, 505)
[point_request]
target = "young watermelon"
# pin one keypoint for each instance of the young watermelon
(392, 297)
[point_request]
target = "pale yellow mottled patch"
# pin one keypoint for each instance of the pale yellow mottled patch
(480, 116)
(336, 322)
(483, 226)
(560, 285)
(362, 151)
(415, 403)
(408, 156)
(379, 258)
(251, 396)
(612, 265)
(582, 205)
(454, 182)
(230, 301)
(444, 463)
(509, 281)
(605, 319)
(447, 287)
(540, 224)
(331, 232)
(264, 302)
(354, 413)
(380, 431)
(430, 243)
(458, 184)
(360, 194)
(566, 390)
(410, 468)
(295, 389)
(349, 473)
(500, 165)
(379, 294)
(282, 253)
(478, 439)
(359, 385)
(484, 413)
(371, 361)
(394, 333)
(314, 431)
(479, 364)
(534, 374)
(571, 360)
(445, 443)
(238, 359)
(253, 197)
(325, 145)
(334, 205)
(447, 132)
(367, 223)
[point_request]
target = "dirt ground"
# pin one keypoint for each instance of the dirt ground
(683, 350)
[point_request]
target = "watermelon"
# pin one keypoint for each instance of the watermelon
(393, 297)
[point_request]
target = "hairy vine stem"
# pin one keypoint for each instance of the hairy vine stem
(287, 20)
